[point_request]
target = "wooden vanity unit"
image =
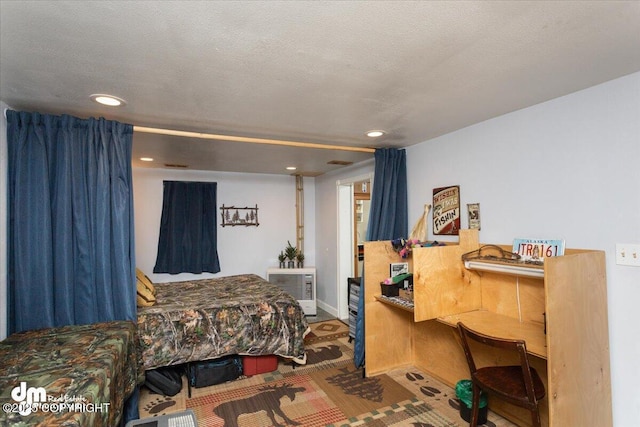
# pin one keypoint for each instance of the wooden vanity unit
(572, 357)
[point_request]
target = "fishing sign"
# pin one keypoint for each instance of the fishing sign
(446, 210)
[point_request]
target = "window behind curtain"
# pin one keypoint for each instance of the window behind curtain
(188, 229)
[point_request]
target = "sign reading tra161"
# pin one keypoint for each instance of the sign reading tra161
(536, 250)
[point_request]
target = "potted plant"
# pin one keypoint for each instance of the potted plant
(290, 251)
(282, 257)
(300, 258)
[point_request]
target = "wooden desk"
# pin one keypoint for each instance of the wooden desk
(572, 358)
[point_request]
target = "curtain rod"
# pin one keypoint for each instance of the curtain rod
(250, 140)
(245, 139)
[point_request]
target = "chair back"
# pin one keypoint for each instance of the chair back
(518, 346)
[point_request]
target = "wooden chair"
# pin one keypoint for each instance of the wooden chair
(520, 384)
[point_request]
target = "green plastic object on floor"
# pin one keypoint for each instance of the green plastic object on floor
(464, 392)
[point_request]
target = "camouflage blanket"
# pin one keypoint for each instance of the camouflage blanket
(77, 375)
(209, 318)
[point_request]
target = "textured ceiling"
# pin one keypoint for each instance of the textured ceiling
(319, 71)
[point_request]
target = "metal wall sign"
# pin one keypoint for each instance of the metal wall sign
(232, 216)
(446, 210)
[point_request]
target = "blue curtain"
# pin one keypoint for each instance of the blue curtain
(188, 229)
(387, 218)
(70, 205)
(388, 214)
(71, 245)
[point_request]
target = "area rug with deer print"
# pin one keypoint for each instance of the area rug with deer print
(328, 391)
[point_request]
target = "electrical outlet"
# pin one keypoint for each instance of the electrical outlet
(628, 254)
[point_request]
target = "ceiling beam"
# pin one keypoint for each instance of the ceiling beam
(231, 138)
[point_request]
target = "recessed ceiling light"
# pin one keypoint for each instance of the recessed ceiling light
(291, 168)
(375, 133)
(146, 159)
(109, 100)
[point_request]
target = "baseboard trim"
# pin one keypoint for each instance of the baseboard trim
(326, 307)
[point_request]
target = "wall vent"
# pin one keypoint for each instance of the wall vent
(174, 165)
(339, 162)
(307, 174)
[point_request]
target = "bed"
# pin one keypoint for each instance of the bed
(86, 371)
(210, 318)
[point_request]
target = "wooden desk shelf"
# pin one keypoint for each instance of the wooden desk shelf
(499, 325)
(572, 357)
(394, 303)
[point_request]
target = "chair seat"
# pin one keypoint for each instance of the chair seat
(508, 382)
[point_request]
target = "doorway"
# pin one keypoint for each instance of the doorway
(362, 203)
(354, 198)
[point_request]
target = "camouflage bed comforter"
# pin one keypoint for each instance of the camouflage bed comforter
(209, 318)
(68, 376)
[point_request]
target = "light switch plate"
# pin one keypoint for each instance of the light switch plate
(628, 254)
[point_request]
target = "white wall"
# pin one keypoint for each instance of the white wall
(327, 231)
(240, 249)
(568, 168)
